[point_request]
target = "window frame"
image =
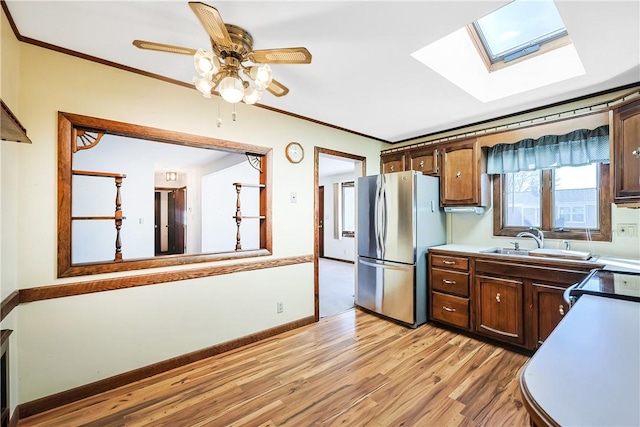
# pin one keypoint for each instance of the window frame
(603, 234)
(343, 185)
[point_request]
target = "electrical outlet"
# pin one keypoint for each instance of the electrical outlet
(279, 307)
(627, 230)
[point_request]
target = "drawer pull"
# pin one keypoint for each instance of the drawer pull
(449, 262)
(448, 282)
(561, 310)
(449, 309)
(421, 163)
(498, 297)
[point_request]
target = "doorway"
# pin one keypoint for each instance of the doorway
(334, 254)
(170, 220)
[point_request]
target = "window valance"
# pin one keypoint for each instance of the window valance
(577, 148)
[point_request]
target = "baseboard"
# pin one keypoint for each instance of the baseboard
(46, 403)
(15, 417)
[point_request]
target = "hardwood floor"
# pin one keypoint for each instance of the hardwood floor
(352, 369)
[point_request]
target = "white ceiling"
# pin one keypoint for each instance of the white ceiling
(362, 76)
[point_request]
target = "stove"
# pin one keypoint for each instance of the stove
(607, 283)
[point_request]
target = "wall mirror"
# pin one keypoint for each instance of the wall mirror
(133, 197)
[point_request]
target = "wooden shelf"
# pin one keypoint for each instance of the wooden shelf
(10, 127)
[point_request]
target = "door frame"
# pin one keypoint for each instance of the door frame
(316, 240)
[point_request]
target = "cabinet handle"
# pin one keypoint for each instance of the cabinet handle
(391, 168)
(636, 153)
(498, 297)
(448, 282)
(561, 310)
(449, 309)
(458, 174)
(421, 163)
(435, 160)
(449, 262)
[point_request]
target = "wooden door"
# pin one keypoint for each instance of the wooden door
(425, 161)
(626, 152)
(157, 222)
(499, 308)
(321, 221)
(177, 220)
(549, 307)
(393, 162)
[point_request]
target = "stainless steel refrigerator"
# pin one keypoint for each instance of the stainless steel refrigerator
(398, 219)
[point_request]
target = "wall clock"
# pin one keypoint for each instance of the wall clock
(294, 152)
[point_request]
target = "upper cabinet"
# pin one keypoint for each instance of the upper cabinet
(424, 160)
(393, 162)
(625, 142)
(463, 181)
(10, 127)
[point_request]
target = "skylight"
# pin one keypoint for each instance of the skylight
(519, 28)
(549, 56)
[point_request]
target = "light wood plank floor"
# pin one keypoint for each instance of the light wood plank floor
(352, 369)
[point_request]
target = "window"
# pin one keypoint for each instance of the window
(348, 209)
(570, 202)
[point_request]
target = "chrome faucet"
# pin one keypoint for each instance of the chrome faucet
(539, 238)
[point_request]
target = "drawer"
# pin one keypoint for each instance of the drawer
(458, 263)
(450, 309)
(451, 282)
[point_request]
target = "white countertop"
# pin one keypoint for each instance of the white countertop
(587, 372)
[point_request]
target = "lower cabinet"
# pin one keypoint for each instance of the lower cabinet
(548, 307)
(499, 311)
(511, 301)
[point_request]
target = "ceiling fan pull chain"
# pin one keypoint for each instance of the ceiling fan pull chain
(234, 115)
(219, 119)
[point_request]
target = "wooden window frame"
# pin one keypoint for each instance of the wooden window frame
(603, 234)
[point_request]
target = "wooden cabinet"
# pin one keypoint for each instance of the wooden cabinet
(499, 308)
(512, 299)
(449, 290)
(462, 178)
(625, 139)
(548, 309)
(393, 162)
(425, 160)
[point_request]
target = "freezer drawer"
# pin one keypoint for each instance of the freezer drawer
(387, 288)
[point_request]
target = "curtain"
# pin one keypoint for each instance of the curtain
(577, 148)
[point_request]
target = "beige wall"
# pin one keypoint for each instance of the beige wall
(67, 342)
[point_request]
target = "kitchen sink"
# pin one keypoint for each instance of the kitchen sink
(506, 251)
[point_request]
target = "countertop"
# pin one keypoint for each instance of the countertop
(607, 263)
(587, 372)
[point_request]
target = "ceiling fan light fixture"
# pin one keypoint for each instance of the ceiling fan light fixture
(205, 63)
(231, 89)
(251, 95)
(204, 86)
(261, 74)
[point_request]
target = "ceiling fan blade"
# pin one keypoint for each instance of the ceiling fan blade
(290, 55)
(277, 89)
(164, 47)
(212, 23)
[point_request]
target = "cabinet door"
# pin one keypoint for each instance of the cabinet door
(393, 162)
(499, 308)
(549, 307)
(459, 184)
(425, 161)
(626, 153)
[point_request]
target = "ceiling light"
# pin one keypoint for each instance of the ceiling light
(172, 176)
(231, 89)
(204, 86)
(261, 74)
(251, 95)
(205, 63)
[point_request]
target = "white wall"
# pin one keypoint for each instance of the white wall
(344, 247)
(67, 342)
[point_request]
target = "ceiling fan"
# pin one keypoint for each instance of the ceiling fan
(232, 54)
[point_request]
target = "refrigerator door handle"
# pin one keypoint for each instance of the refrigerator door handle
(378, 217)
(386, 264)
(383, 231)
